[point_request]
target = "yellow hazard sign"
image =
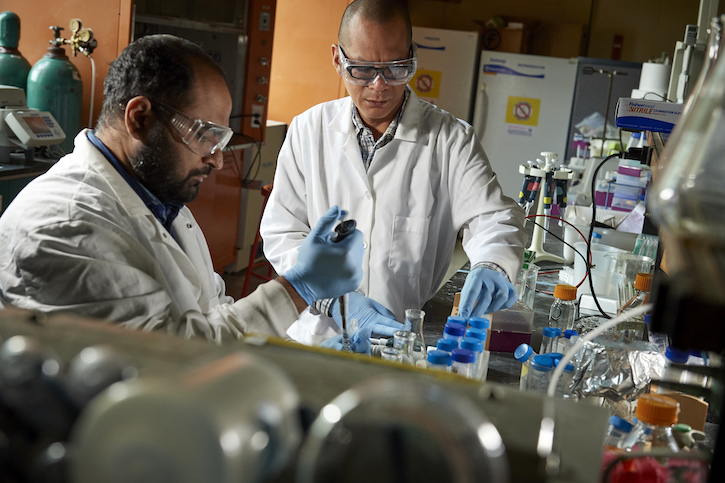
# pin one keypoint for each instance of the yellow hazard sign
(426, 83)
(523, 110)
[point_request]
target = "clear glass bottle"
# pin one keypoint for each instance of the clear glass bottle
(415, 318)
(439, 360)
(634, 328)
(403, 341)
(524, 354)
(616, 433)
(563, 310)
(655, 415)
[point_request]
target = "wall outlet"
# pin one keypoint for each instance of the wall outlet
(257, 114)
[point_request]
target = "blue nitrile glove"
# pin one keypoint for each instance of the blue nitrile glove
(359, 341)
(489, 290)
(368, 313)
(327, 269)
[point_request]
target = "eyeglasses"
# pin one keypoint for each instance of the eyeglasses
(363, 73)
(203, 137)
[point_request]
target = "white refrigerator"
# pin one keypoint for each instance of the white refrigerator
(522, 107)
(446, 75)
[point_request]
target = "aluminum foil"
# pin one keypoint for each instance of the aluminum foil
(614, 370)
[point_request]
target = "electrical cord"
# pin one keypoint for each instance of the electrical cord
(591, 231)
(575, 250)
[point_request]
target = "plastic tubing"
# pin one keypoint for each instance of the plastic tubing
(93, 90)
(587, 337)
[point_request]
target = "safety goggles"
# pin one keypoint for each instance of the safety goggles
(362, 73)
(203, 137)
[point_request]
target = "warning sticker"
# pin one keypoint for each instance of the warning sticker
(523, 110)
(426, 83)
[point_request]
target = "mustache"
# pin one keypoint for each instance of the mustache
(205, 171)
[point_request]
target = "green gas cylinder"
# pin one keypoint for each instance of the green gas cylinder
(14, 67)
(54, 85)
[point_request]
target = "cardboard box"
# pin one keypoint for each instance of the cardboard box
(642, 115)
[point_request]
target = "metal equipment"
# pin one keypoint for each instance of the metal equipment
(186, 410)
(54, 83)
(23, 128)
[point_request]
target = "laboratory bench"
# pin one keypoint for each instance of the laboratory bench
(17, 173)
(502, 367)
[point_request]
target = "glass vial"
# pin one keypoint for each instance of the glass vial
(403, 340)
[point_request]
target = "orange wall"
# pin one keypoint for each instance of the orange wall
(302, 73)
(110, 21)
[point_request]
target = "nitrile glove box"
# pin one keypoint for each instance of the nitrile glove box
(642, 115)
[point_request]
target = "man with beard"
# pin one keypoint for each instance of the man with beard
(105, 233)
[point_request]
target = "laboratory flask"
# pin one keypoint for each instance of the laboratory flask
(687, 198)
(14, 67)
(415, 318)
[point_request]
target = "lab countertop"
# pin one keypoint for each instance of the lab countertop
(19, 168)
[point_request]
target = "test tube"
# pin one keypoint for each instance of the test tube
(482, 323)
(454, 331)
(403, 341)
(439, 360)
(540, 373)
(476, 346)
(548, 342)
(458, 319)
(446, 345)
(462, 362)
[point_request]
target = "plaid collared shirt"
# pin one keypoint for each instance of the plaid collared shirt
(365, 138)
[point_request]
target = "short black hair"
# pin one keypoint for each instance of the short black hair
(376, 11)
(160, 67)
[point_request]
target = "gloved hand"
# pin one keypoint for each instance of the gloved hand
(369, 314)
(489, 290)
(359, 341)
(327, 269)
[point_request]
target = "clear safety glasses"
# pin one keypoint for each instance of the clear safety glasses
(203, 137)
(362, 73)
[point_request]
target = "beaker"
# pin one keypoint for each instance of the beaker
(526, 284)
(629, 265)
(415, 317)
(391, 354)
(403, 340)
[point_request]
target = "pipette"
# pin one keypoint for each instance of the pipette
(343, 229)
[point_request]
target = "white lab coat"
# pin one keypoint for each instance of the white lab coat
(78, 239)
(431, 180)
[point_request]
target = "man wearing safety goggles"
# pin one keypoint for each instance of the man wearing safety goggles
(105, 232)
(412, 176)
